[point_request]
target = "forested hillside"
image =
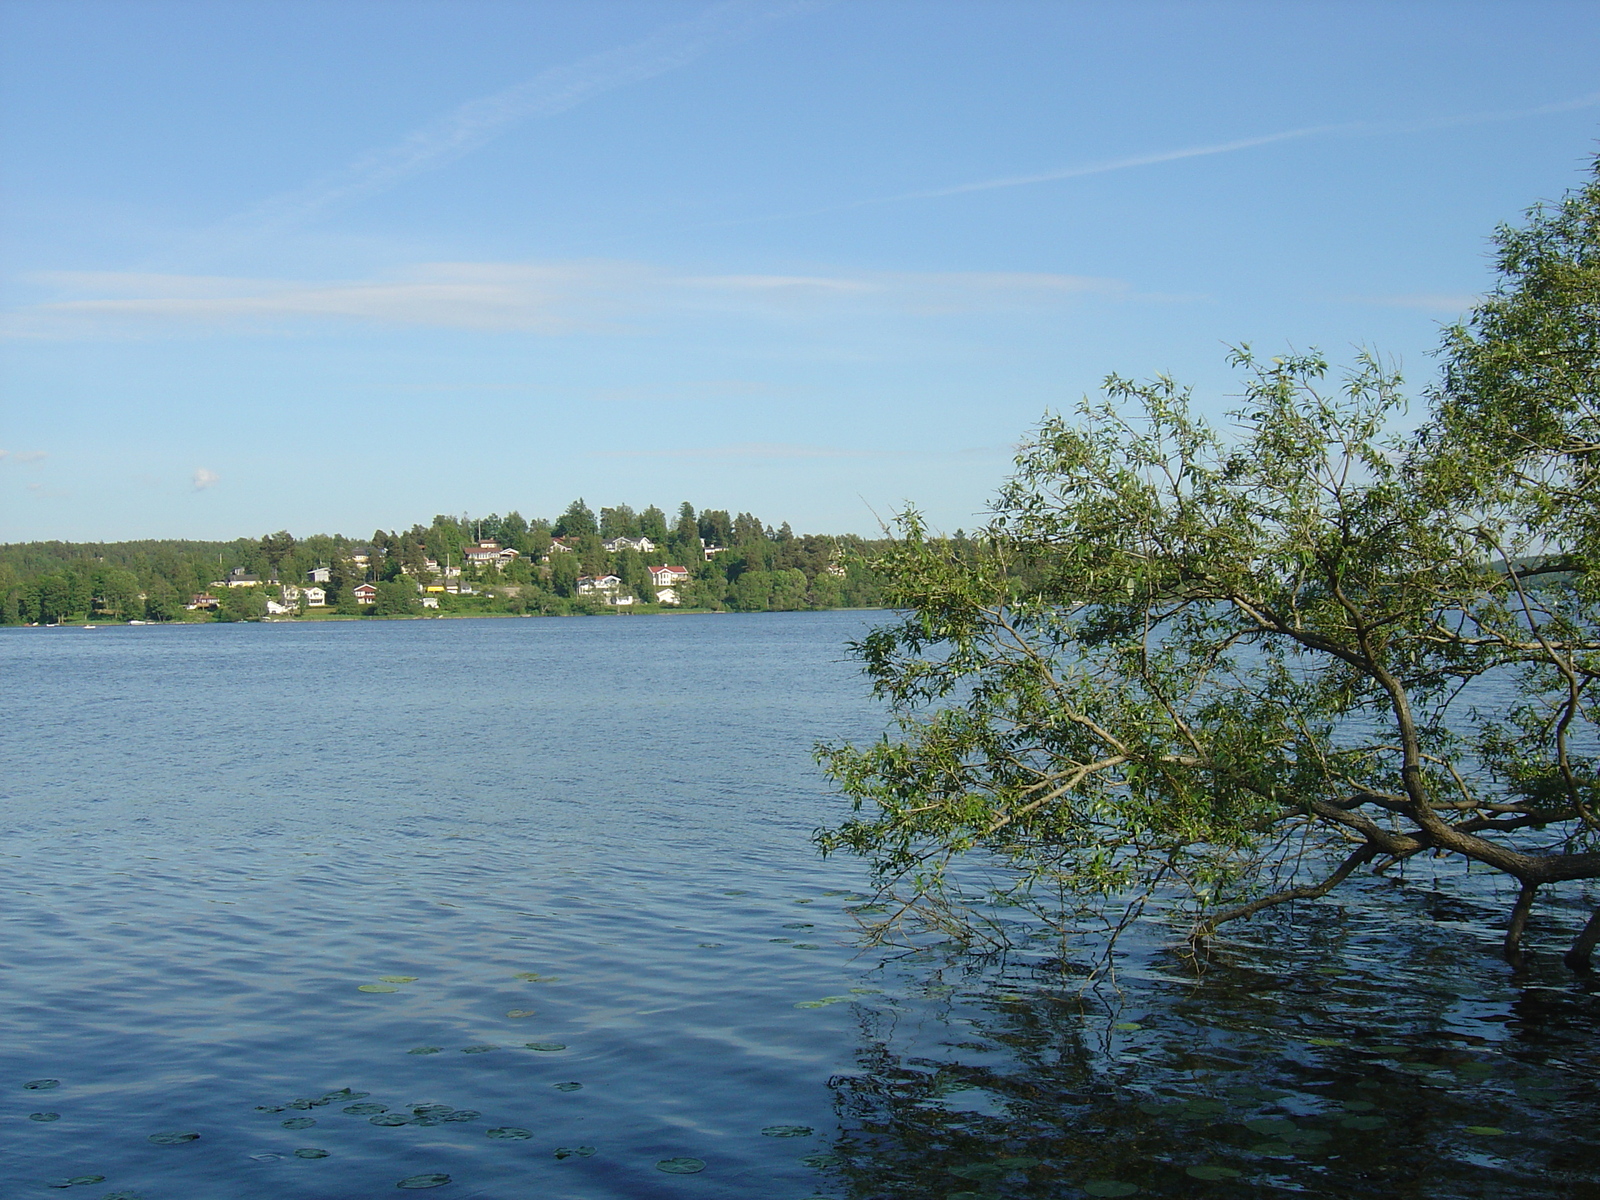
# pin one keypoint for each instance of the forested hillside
(545, 566)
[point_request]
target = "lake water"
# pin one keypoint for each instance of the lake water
(593, 834)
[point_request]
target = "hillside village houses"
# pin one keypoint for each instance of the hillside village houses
(609, 589)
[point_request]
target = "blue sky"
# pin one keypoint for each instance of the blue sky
(334, 266)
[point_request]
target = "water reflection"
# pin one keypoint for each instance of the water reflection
(1346, 1052)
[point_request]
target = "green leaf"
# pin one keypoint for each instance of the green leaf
(681, 1166)
(1211, 1172)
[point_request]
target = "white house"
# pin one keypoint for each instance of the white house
(669, 576)
(365, 593)
(430, 602)
(607, 587)
(667, 595)
(642, 544)
(483, 552)
(588, 584)
(319, 575)
(277, 609)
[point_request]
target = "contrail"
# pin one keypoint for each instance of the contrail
(1349, 128)
(457, 133)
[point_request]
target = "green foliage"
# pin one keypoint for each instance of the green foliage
(241, 604)
(578, 521)
(397, 598)
(1181, 669)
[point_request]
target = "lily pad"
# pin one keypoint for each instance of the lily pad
(172, 1139)
(1358, 1106)
(431, 1180)
(1205, 1108)
(431, 1110)
(1325, 1041)
(1363, 1123)
(77, 1179)
(397, 978)
(365, 1110)
(709, 945)
(310, 1152)
(377, 987)
(867, 991)
(978, 1171)
(1272, 1126)
(1485, 1130)
(1110, 1187)
(1020, 1163)
(44, 1116)
(681, 1166)
(545, 1047)
(799, 925)
(479, 1049)
(508, 1133)
(787, 1131)
(269, 1108)
(41, 1085)
(1211, 1172)
(463, 1114)
(122, 1195)
(390, 1119)
(806, 946)
(1161, 1108)
(575, 1152)
(299, 1122)
(425, 1050)
(535, 977)
(570, 1085)
(1128, 1026)
(520, 1012)
(1273, 1149)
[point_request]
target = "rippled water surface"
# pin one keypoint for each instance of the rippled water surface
(572, 858)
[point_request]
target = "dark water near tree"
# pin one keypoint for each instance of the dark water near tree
(593, 834)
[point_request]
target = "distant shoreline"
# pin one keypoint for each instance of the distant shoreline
(362, 618)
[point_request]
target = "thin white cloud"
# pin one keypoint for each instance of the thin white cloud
(205, 478)
(749, 451)
(1205, 150)
(475, 123)
(25, 456)
(540, 298)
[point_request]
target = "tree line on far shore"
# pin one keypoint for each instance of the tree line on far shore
(750, 567)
